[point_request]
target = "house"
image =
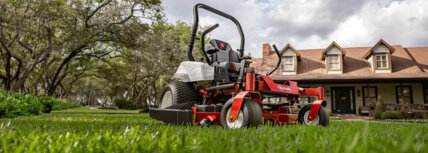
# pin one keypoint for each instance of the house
(354, 77)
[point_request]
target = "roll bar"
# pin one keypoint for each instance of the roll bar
(196, 24)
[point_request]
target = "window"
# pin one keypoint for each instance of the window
(404, 93)
(288, 63)
(381, 61)
(333, 62)
(369, 96)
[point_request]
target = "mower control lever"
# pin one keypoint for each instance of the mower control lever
(279, 61)
(203, 43)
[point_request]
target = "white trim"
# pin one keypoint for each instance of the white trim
(382, 71)
(289, 73)
(334, 72)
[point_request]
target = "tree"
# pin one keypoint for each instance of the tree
(68, 29)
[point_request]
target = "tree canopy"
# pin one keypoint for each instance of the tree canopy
(94, 51)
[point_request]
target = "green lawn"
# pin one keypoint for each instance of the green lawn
(86, 130)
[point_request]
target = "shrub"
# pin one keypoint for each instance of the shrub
(13, 105)
(330, 113)
(124, 104)
(48, 103)
(380, 108)
(392, 115)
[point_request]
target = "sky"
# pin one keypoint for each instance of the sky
(310, 24)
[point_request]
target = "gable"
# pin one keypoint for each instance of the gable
(333, 48)
(381, 49)
(333, 51)
(288, 52)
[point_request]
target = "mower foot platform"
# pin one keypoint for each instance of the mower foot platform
(172, 116)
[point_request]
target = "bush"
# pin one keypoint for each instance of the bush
(380, 108)
(13, 105)
(392, 115)
(124, 104)
(415, 114)
(330, 113)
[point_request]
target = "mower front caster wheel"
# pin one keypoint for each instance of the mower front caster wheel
(205, 122)
(322, 117)
(249, 115)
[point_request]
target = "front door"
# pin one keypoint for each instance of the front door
(343, 100)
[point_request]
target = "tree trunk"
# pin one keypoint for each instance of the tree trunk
(56, 79)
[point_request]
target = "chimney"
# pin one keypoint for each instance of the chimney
(266, 50)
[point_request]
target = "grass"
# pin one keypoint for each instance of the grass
(86, 130)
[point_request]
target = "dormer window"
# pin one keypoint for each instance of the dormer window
(333, 62)
(333, 56)
(289, 60)
(379, 57)
(381, 61)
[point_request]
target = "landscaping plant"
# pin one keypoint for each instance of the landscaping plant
(392, 115)
(13, 105)
(380, 108)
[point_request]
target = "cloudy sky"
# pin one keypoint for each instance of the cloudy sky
(310, 24)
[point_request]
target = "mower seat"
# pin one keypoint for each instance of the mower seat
(222, 55)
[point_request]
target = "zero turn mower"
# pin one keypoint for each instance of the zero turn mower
(225, 90)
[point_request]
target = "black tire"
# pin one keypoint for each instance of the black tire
(255, 111)
(181, 92)
(324, 118)
(252, 113)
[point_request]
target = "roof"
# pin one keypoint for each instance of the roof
(333, 44)
(407, 63)
(381, 41)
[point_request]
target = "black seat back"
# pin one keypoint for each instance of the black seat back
(224, 53)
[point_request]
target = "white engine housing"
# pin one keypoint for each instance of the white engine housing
(191, 71)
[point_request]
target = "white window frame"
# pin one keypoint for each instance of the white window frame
(382, 61)
(288, 66)
(330, 62)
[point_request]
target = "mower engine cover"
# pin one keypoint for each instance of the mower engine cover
(191, 71)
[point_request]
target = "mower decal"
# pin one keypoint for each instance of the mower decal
(281, 88)
(222, 45)
(236, 106)
(314, 110)
(211, 117)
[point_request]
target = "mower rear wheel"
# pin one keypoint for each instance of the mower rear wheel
(321, 119)
(176, 93)
(249, 115)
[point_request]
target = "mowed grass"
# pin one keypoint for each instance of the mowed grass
(86, 130)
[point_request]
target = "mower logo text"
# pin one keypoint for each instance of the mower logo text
(283, 88)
